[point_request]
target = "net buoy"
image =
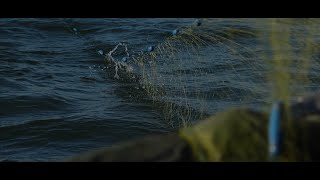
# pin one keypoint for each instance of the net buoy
(175, 32)
(198, 22)
(125, 59)
(150, 48)
(101, 52)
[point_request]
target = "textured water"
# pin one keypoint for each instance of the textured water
(57, 97)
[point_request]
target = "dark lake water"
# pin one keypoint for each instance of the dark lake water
(58, 98)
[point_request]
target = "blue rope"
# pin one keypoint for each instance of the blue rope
(274, 134)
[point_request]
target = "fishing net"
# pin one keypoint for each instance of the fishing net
(208, 65)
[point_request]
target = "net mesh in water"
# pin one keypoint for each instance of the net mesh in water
(214, 64)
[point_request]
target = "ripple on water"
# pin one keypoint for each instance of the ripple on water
(19, 104)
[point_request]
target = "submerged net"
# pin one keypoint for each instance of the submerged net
(213, 64)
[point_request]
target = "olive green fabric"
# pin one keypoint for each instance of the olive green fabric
(154, 148)
(241, 135)
(233, 135)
